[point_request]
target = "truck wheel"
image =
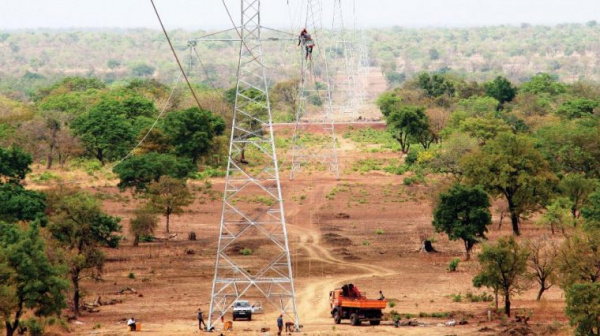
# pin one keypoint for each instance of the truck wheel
(234, 318)
(337, 318)
(249, 317)
(354, 320)
(375, 322)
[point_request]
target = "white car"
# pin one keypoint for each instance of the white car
(242, 309)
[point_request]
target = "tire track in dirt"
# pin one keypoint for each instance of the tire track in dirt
(313, 300)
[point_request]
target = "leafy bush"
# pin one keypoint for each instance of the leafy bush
(147, 238)
(131, 275)
(410, 180)
(456, 297)
(411, 157)
(379, 231)
(246, 251)
(453, 264)
(483, 297)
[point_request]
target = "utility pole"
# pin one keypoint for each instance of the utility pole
(253, 255)
(314, 93)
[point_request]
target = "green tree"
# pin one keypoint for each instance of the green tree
(503, 268)
(446, 159)
(192, 131)
(104, 132)
(572, 147)
(29, 282)
(20, 204)
(591, 212)
(583, 308)
(463, 213)
(387, 102)
(436, 85)
(577, 188)
(407, 124)
(511, 166)
(543, 83)
(143, 223)
(142, 70)
(579, 258)
(139, 170)
(80, 227)
(501, 89)
(113, 64)
(284, 97)
(577, 108)
(14, 165)
(558, 215)
(168, 196)
(434, 54)
(68, 85)
(483, 129)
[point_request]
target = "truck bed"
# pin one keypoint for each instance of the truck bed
(362, 303)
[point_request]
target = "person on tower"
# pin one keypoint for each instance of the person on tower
(308, 42)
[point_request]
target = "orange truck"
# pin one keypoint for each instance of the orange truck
(349, 303)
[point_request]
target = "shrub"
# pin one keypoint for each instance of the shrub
(131, 275)
(456, 297)
(453, 264)
(379, 231)
(33, 326)
(147, 238)
(411, 157)
(246, 251)
(483, 297)
(392, 303)
(366, 242)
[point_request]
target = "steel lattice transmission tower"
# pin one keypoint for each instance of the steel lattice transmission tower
(252, 217)
(348, 89)
(314, 89)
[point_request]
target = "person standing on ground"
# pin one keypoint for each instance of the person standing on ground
(201, 319)
(131, 324)
(280, 324)
(381, 297)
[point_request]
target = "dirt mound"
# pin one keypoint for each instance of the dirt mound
(517, 329)
(486, 329)
(346, 254)
(330, 228)
(336, 239)
(342, 215)
(338, 215)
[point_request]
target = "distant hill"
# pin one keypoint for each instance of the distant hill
(36, 57)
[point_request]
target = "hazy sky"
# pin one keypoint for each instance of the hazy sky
(210, 14)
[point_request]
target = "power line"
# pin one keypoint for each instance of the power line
(175, 54)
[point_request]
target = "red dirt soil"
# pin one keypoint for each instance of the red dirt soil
(173, 279)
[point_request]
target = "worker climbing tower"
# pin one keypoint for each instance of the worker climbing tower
(348, 93)
(315, 106)
(253, 256)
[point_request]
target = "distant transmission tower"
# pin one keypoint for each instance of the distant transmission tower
(348, 87)
(314, 92)
(253, 256)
